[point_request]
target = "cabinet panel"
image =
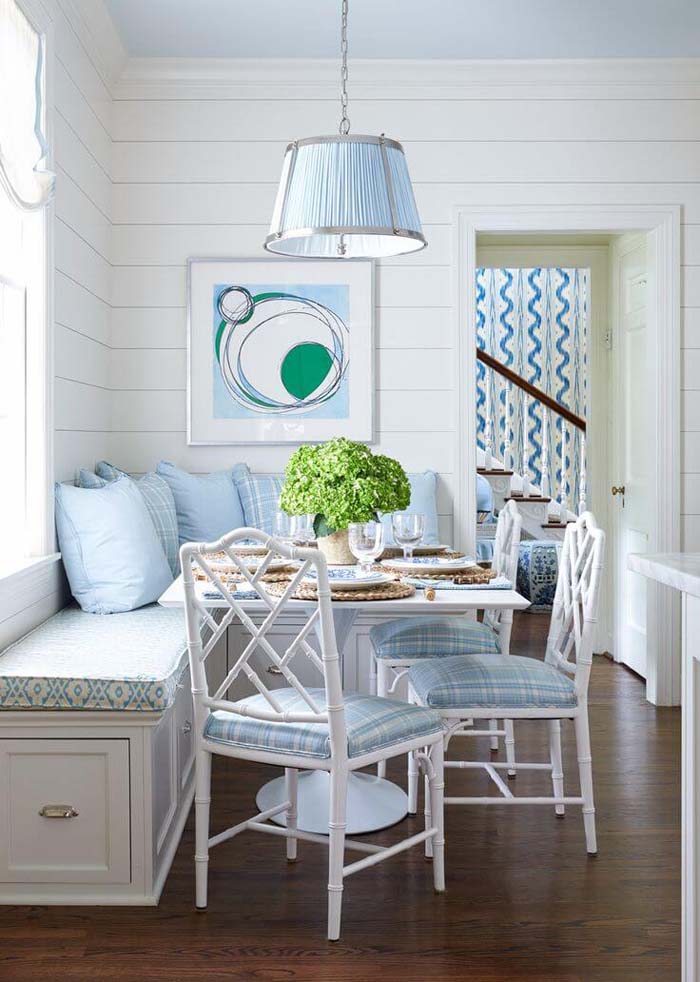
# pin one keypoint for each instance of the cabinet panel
(64, 811)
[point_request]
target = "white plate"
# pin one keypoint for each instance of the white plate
(346, 578)
(251, 563)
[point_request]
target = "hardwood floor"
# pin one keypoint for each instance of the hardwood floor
(523, 900)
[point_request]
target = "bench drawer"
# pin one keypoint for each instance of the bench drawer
(91, 844)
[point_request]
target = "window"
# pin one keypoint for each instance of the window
(26, 187)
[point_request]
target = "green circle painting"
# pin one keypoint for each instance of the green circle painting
(279, 353)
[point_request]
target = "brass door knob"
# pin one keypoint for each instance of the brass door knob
(620, 490)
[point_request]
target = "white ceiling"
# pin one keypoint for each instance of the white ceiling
(410, 28)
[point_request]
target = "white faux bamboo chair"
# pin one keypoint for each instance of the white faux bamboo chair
(476, 687)
(401, 643)
(296, 727)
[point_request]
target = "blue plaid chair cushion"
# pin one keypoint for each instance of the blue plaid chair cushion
(489, 681)
(432, 637)
(259, 494)
(372, 724)
(158, 499)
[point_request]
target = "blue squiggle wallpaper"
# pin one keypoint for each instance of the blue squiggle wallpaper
(535, 321)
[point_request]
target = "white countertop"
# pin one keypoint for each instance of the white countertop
(680, 570)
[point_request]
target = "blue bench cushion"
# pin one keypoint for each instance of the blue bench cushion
(372, 723)
(432, 637)
(74, 660)
(489, 681)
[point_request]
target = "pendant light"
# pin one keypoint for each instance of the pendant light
(345, 196)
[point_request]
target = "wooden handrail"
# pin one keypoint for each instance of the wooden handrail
(532, 390)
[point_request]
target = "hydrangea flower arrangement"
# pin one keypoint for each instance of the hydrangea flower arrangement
(341, 482)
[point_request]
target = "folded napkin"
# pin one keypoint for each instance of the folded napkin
(423, 582)
(236, 594)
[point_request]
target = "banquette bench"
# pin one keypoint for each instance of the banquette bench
(96, 763)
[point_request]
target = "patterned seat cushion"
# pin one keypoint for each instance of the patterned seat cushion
(432, 637)
(488, 681)
(372, 723)
(74, 660)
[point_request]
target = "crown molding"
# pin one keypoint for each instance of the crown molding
(95, 28)
(178, 78)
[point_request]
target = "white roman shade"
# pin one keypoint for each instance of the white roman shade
(23, 147)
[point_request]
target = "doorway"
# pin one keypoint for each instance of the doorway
(641, 626)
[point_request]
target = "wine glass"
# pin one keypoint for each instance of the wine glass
(408, 529)
(366, 541)
(301, 528)
(283, 525)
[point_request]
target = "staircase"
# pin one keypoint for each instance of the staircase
(549, 486)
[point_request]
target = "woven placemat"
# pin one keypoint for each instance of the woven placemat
(385, 591)
(278, 576)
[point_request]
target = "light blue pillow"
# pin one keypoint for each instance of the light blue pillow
(157, 497)
(484, 500)
(423, 502)
(110, 550)
(259, 494)
(207, 505)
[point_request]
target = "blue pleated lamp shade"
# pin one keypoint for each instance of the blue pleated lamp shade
(345, 197)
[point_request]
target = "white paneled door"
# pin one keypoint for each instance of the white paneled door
(633, 450)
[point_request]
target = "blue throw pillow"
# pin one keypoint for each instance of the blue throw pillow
(484, 500)
(259, 494)
(110, 550)
(207, 505)
(423, 502)
(157, 497)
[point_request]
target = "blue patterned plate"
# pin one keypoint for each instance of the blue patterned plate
(430, 564)
(350, 578)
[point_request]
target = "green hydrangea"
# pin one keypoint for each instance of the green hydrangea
(342, 482)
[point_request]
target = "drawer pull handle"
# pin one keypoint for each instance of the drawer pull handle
(58, 811)
(187, 727)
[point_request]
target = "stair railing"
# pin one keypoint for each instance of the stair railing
(563, 474)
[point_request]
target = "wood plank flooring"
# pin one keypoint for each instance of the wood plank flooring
(523, 900)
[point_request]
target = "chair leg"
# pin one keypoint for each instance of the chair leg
(510, 747)
(412, 784)
(428, 810)
(493, 725)
(291, 776)
(436, 794)
(336, 850)
(555, 760)
(583, 753)
(382, 670)
(202, 801)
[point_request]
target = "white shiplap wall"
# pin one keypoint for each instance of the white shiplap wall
(79, 122)
(82, 120)
(196, 158)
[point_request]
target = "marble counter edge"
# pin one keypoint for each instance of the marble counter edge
(678, 570)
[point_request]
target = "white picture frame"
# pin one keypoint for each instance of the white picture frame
(279, 351)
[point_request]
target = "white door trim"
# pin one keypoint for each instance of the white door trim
(663, 222)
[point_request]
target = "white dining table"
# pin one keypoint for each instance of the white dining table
(373, 803)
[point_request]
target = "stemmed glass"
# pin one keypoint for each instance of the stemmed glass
(294, 528)
(366, 541)
(408, 529)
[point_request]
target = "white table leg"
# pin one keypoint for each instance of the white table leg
(373, 803)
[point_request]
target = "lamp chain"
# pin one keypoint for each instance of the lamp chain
(344, 119)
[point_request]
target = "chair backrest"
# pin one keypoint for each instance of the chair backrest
(575, 610)
(506, 552)
(213, 563)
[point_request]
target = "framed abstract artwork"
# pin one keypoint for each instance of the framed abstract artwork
(279, 351)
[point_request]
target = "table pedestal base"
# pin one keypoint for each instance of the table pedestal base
(372, 804)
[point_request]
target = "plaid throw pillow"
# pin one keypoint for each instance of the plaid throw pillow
(259, 494)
